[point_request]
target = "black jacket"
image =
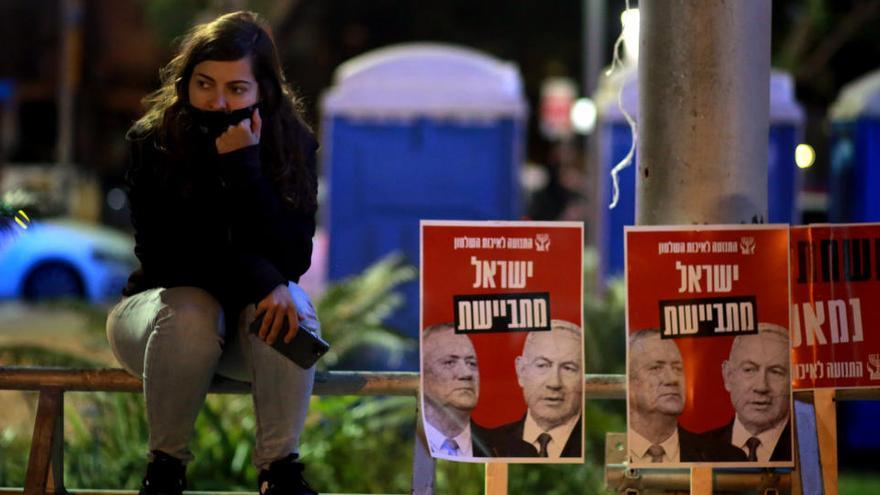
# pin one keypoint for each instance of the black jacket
(704, 447)
(215, 222)
(480, 441)
(721, 438)
(506, 441)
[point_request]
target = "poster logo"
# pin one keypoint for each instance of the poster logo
(874, 366)
(747, 245)
(542, 242)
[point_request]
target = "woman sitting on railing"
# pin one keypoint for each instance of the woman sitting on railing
(223, 200)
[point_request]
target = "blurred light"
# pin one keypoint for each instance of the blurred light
(630, 20)
(22, 219)
(583, 115)
(804, 155)
(116, 198)
(557, 98)
(533, 177)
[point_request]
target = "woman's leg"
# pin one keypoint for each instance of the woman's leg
(172, 339)
(281, 389)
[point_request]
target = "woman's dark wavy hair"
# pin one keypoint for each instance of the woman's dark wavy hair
(286, 142)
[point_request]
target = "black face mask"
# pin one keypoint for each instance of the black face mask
(212, 123)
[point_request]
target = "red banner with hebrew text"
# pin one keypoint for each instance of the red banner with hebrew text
(835, 310)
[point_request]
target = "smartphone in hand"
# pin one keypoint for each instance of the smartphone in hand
(305, 349)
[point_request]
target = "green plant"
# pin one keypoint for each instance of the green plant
(352, 311)
(39, 356)
(14, 446)
(604, 320)
(105, 440)
(358, 440)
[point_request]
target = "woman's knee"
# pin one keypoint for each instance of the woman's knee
(191, 313)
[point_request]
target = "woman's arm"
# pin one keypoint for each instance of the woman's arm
(173, 241)
(261, 223)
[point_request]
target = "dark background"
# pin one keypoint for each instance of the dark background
(823, 44)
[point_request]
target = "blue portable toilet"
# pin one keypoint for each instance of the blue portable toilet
(855, 152)
(784, 180)
(854, 181)
(6, 90)
(614, 139)
(417, 131)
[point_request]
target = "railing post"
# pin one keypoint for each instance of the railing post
(423, 463)
(47, 446)
(701, 481)
(496, 478)
(55, 483)
(826, 431)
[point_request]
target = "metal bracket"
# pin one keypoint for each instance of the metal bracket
(630, 481)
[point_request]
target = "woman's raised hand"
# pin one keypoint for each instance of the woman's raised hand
(246, 133)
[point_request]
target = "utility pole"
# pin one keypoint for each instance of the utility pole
(593, 14)
(704, 99)
(70, 64)
(593, 39)
(704, 105)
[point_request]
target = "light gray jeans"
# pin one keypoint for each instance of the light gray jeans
(175, 340)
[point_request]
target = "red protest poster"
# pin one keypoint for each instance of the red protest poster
(835, 278)
(708, 352)
(501, 344)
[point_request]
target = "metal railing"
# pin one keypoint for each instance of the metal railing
(45, 462)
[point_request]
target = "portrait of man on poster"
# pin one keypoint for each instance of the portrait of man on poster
(757, 376)
(550, 373)
(451, 391)
(656, 399)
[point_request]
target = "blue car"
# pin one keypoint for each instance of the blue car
(64, 258)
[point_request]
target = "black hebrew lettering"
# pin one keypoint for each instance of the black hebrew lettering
(492, 313)
(708, 317)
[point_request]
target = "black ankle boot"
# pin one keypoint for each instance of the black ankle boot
(166, 475)
(284, 477)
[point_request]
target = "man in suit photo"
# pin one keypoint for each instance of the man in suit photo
(549, 370)
(757, 376)
(451, 391)
(656, 399)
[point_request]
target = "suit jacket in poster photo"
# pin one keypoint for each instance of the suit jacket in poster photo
(506, 441)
